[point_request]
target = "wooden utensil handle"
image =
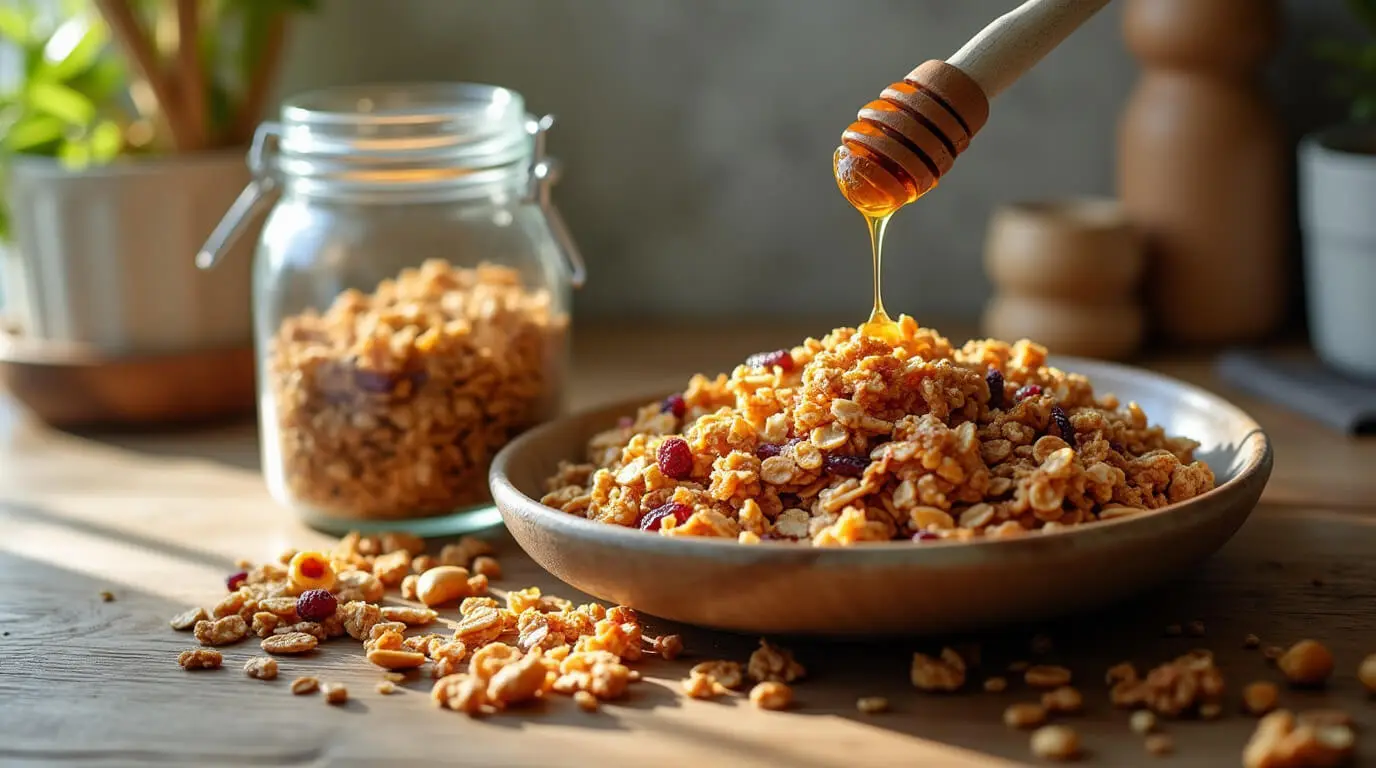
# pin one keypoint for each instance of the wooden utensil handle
(1016, 41)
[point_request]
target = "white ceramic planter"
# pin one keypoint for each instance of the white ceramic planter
(105, 257)
(1338, 216)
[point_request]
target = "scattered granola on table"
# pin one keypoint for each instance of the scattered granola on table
(391, 404)
(850, 438)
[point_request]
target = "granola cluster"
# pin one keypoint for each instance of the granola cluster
(852, 438)
(502, 650)
(392, 404)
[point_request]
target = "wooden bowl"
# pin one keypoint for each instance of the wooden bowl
(893, 587)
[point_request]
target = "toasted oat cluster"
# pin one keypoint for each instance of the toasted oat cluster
(851, 438)
(495, 653)
(391, 404)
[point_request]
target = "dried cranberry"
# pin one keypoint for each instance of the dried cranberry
(1117, 447)
(674, 404)
(655, 517)
(236, 580)
(769, 450)
(675, 458)
(995, 381)
(780, 357)
(316, 605)
(925, 536)
(1031, 390)
(1062, 422)
(846, 466)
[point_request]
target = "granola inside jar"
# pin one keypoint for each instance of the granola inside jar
(411, 292)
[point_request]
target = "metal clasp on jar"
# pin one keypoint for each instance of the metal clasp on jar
(261, 192)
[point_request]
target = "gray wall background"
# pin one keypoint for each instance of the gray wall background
(697, 134)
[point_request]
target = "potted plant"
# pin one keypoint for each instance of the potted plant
(1337, 169)
(121, 146)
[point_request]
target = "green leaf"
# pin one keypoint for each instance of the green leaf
(32, 132)
(62, 102)
(75, 154)
(74, 48)
(103, 82)
(106, 141)
(15, 26)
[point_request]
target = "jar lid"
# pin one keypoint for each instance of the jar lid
(402, 133)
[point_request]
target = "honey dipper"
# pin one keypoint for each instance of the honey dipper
(903, 142)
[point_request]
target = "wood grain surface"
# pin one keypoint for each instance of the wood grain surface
(158, 520)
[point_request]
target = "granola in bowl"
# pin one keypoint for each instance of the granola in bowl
(852, 438)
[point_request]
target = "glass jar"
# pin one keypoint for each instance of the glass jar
(411, 300)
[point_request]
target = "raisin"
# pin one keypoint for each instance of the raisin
(1031, 390)
(236, 580)
(770, 450)
(655, 517)
(846, 466)
(675, 458)
(779, 357)
(316, 605)
(674, 404)
(995, 381)
(1062, 422)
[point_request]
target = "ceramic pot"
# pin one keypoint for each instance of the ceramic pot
(1065, 274)
(105, 257)
(1337, 187)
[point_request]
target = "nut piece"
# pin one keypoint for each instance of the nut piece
(1279, 741)
(443, 584)
(872, 705)
(360, 618)
(1024, 715)
(585, 701)
(1046, 676)
(726, 674)
(386, 687)
(200, 658)
(669, 646)
(1142, 722)
(771, 695)
(188, 618)
(1055, 742)
(996, 684)
(700, 687)
(393, 659)
(1251, 641)
(1272, 652)
(1121, 672)
(223, 631)
(1366, 673)
(408, 585)
(487, 566)
(335, 693)
(1260, 697)
(944, 674)
(261, 668)
(1064, 700)
(1159, 744)
(303, 685)
(770, 663)
(291, 642)
(1306, 663)
(461, 693)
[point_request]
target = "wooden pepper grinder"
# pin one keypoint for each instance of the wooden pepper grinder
(1200, 167)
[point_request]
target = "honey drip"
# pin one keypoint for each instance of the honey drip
(877, 202)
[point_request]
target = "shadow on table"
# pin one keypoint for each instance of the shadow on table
(234, 445)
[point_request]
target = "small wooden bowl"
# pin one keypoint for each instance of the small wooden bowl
(1083, 250)
(896, 587)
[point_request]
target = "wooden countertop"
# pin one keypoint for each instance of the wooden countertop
(159, 520)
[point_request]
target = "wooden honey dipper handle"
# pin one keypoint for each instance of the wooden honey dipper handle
(1016, 41)
(904, 141)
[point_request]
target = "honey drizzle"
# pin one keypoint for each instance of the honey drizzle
(880, 325)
